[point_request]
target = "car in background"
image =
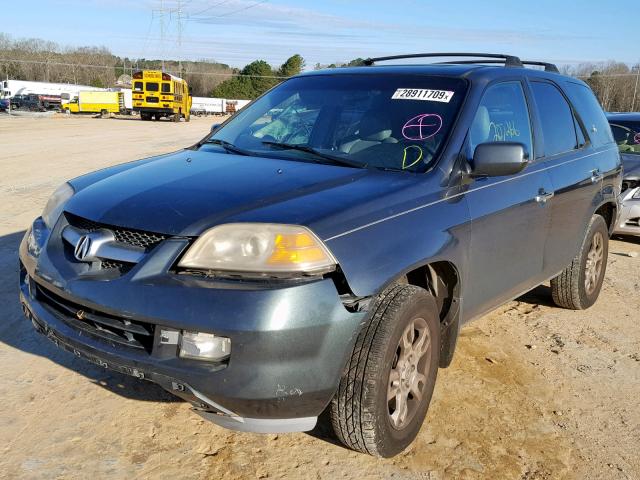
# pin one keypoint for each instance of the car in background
(626, 131)
(4, 104)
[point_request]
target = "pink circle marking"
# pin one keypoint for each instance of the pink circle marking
(636, 138)
(422, 127)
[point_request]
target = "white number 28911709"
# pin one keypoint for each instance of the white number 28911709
(425, 94)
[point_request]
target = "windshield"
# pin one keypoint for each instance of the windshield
(397, 122)
(627, 136)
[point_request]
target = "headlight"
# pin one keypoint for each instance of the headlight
(56, 203)
(261, 249)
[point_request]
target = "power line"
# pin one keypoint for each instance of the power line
(63, 64)
(259, 2)
(210, 7)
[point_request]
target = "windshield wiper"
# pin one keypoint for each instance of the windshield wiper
(313, 151)
(228, 146)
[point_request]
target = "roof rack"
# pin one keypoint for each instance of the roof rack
(509, 60)
(548, 67)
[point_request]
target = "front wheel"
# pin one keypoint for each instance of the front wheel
(579, 285)
(387, 385)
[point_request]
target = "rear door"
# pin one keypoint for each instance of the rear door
(573, 163)
(510, 216)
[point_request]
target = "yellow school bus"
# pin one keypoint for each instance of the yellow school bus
(159, 94)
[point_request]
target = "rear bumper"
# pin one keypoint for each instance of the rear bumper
(289, 345)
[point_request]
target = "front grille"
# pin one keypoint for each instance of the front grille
(121, 267)
(633, 222)
(113, 329)
(138, 238)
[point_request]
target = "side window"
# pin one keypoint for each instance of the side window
(502, 116)
(556, 117)
(590, 111)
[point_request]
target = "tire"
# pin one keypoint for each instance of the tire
(360, 412)
(176, 117)
(574, 288)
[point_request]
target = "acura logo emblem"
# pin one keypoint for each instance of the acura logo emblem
(82, 248)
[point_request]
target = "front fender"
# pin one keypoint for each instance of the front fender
(374, 255)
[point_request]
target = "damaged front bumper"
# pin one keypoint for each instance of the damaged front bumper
(289, 344)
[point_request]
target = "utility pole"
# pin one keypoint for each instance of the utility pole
(179, 15)
(160, 12)
(635, 90)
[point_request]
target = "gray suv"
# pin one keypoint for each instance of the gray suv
(320, 251)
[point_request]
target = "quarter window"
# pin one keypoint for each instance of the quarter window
(556, 117)
(502, 116)
(590, 113)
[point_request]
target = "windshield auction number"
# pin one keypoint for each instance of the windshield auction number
(425, 94)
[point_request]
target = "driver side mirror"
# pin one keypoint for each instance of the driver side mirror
(215, 127)
(498, 159)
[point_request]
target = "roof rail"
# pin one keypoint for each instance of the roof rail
(509, 60)
(548, 67)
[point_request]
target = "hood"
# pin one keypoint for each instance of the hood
(190, 191)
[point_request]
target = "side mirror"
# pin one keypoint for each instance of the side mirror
(497, 159)
(214, 127)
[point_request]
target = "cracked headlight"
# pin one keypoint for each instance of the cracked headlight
(56, 203)
(260, 249)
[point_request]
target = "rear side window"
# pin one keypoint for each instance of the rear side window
(166, 87)
(590, 112)
(501, 117)
(137, 86)
(558, 125)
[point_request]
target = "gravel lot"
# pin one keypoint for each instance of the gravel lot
(534, 392)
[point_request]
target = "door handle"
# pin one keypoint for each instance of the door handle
(543, 196)
(596, 176)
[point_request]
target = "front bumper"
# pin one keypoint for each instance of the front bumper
(288, 345)
(629, 218)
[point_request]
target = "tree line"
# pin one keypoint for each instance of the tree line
(617, 85)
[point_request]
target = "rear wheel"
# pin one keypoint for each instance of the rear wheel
(387, 386)
(579, 285)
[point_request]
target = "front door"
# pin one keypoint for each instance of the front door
(510, 215)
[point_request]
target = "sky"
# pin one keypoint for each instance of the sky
(237, 32)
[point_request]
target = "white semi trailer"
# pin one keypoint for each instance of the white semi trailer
(215, 106)
(10, 88)
(207, 106)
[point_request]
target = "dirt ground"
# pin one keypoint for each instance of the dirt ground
(534, 392)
